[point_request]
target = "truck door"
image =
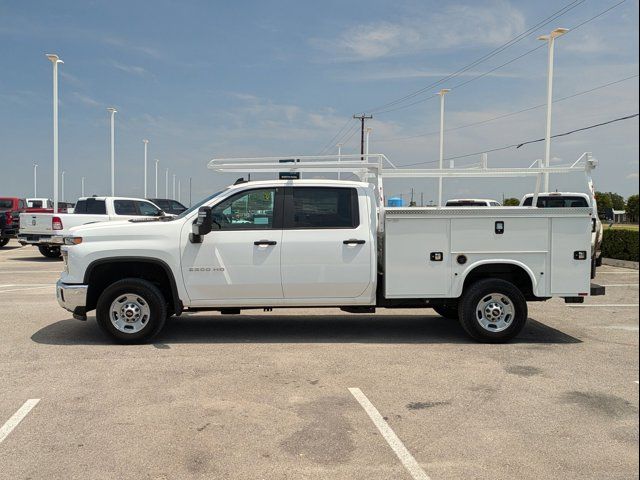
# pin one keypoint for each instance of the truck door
(240, 258)
(326, 243)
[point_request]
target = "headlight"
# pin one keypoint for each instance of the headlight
(72, 240)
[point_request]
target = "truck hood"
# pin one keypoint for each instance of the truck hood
(125, 228)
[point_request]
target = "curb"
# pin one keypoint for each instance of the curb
(620, 263)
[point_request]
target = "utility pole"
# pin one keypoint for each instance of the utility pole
(422, 199)
(362, 118)
(412, 203)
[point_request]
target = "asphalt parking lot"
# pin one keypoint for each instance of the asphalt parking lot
(316, 394)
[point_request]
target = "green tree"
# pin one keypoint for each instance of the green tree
(511, 202)
(604, 202)
(632, 208)
(617, 201)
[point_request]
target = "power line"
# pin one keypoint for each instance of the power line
(510, 114)
(331, 142)
(477, 77)
(485, 57)
(518, 145)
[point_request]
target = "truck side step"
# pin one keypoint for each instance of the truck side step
(358, 309)
(230, 311)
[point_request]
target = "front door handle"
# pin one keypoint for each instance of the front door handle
(353, 241)
(264, 243)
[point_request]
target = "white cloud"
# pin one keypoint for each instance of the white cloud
(125, 44)
(87, 100)
(633, 176)
(456, 25)
(132, 69)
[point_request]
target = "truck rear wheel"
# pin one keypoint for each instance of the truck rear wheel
(493, 311)
(131, 310)
(49, 251)
(447, 311)
(3, 242)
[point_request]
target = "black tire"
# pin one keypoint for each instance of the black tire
(447, 311)
(49, 251)
(144, 291)
(3, 242)
(481, 291)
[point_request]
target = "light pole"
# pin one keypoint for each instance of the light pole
(62, 187)
(55, 60)
(339, 156)
(166, 183)
(35, 179)
(173, 189)
(112, 111)
(157, 162)
(366, 144)
(189, 191)
(550, 39)
(442, 93)
(178, 191)
(82, 187)
(146, 144)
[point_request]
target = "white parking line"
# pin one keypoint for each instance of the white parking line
(25, 289)
(610, 305)
(17, 417)
(410, 463)
(622, 285)
(25, 285)
(631, 272)
(29, 271)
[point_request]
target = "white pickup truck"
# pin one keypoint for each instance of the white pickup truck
(326, 243)
(47, 230)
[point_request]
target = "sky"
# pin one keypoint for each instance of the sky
(206, 79)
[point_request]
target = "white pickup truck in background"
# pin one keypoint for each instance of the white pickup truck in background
(328, 243)
(47, 230)
(570, 200)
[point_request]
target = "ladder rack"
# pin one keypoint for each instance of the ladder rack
(371, 168)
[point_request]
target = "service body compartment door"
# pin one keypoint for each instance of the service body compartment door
(569, 276)
(409, 269)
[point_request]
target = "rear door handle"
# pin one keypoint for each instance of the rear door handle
(353, 241)
(264, 243)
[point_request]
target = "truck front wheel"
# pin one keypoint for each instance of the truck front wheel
(3, 242)
(49, 252)
(131, 310)
(493, 311)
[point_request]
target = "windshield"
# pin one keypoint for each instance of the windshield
(200, 203)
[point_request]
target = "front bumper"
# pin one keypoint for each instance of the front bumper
(73, 298)
(26, 239)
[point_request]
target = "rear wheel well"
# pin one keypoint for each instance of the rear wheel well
(504, 271)
(100, 276)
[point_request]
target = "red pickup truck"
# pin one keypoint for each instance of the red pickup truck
(10, 210)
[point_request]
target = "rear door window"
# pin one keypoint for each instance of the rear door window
(125, 207)
(322, 207)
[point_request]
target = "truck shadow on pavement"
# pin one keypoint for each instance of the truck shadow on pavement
(297, 329)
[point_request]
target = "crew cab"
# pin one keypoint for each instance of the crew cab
(574, 199)
(10, 209)
(47, 230)
(325, 243)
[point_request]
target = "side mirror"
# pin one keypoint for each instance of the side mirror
(202, 225)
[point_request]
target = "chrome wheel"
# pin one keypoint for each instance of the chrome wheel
(495, 312)
(129, 313)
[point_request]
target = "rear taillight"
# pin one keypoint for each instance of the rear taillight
(56, 223)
